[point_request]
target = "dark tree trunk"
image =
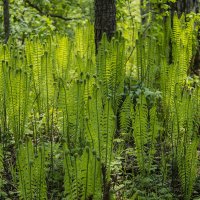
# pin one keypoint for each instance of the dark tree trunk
(195, 63)
(186, 6)
(6, 20)
(105, 19)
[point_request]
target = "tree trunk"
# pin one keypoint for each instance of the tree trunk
(186, 6)
(6, 20)
(105, 19)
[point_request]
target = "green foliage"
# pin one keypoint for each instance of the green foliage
(1, 167)
(31, 172)
(46, 17)
(82, 175)
(123, 123)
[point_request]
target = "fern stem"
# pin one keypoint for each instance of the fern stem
(19, 108)
(77, 112)
(69, 176)
(107, 131)
(24, 193)
(95, 165)
(29, 167)
(90, 133)
(141, 139)
(76, 177)
(98, 128)
(87, 170)
(67, 117)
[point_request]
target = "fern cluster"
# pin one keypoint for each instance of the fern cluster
(62, 108)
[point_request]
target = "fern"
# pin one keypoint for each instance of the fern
(187, 165)
(82, 175)
(107, 130)
(140, 132)
(1, 171)
(125, 115)
(153, 133)
(111, 69)
(146, 128)
(31, 169)
(70, 104)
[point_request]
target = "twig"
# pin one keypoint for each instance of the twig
(50, 14)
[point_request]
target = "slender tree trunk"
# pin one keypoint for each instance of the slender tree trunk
(6, 20)
(105, 19)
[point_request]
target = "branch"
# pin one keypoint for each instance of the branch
(50, 14)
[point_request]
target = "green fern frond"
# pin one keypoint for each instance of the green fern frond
(187, 166)
(31, 172)
(107, 130)
(1, 168)
(82, 175)
(125, 115)
(140, 131)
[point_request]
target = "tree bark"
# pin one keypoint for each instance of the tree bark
(6, 20)
(105, 19)
(186, 6)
